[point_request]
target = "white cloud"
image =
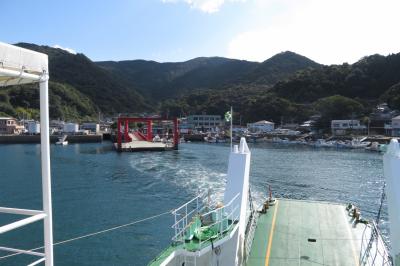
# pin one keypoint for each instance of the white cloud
(207, 6)
(69, 50)
(330, 31)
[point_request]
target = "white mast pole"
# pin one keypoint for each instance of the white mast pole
(46, 173)
(391, 167)
(231, 127)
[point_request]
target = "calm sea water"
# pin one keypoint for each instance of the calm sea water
(96, 188)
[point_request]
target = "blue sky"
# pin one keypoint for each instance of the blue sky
(327, 31)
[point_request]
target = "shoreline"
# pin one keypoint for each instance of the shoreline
(26, 139)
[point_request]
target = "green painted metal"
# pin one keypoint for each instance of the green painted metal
(189, 245)
(297, 225)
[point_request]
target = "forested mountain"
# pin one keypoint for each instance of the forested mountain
(160, 81)
(335, 92)
(80, 88)
(286, 86)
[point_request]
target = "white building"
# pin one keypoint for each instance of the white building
(70, 128)
(341, 127)
(33, 127)
(204, 122)
(261, 126)
(91, 127)
(396, 126)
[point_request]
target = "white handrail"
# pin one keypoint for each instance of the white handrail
(22, 251)
(19, 211)
(225, 218)
(22, 222)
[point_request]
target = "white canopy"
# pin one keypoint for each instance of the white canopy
(20, 66)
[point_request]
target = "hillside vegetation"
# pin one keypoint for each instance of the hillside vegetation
(160, 81)
(287, 87)
(335, 92)
(66, 102)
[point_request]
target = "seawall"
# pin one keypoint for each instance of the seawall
(20, 139)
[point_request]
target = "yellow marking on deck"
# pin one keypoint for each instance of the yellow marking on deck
(271, 235)
(356, 262)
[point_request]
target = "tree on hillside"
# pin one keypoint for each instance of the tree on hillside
(336, 107)
(392, 96)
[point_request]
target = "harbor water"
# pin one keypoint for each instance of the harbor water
(95, 188)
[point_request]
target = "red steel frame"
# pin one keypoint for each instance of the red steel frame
(149, 121)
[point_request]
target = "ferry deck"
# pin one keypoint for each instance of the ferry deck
(295, 232)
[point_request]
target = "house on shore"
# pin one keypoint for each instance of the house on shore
(9, 126)
(395, 126)
(343, 127)
(93, 128)
(262, 126)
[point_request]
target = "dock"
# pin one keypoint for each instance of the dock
(143, 146)
(296, 232)
(138, 144)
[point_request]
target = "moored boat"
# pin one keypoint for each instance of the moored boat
(62, 140)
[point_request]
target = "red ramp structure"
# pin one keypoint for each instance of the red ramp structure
(137, 141)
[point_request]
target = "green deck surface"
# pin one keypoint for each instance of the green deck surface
(192, 245)
(337, 240)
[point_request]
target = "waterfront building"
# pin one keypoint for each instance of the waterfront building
(71, 128)
(204, 122)
(9, 125)
(93, 128)
(185, 127)
(395, 126)
(342, 127)
(380, 119)
(33, 127)
(261, 126)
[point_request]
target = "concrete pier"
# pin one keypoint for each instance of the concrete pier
(23, 139)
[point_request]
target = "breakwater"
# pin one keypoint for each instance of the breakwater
(21, 139)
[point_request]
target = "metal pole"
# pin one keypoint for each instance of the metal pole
(231, 127)
(46, 173)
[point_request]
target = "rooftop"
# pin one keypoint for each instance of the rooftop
(264, 122)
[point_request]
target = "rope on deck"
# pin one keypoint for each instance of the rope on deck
(95, 233)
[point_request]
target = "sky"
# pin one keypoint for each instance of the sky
(326, 31)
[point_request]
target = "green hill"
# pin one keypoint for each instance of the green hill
(105, 90)
(287, 85)
(66, 102)
(159, 81)
(336, 91)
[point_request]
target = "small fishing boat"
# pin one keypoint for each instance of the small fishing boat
(157, 138)
(373, 147)
(62, 140)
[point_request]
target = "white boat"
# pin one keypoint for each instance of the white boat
(157, 138)
(62, 140)
(359, 144)
(210, 139)
(321, 143)
(373, 147)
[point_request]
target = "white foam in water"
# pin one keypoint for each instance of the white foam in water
(190, 175)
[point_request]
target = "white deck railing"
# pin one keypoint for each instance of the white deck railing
(373, 249)
(221, 219)
(33, 216)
